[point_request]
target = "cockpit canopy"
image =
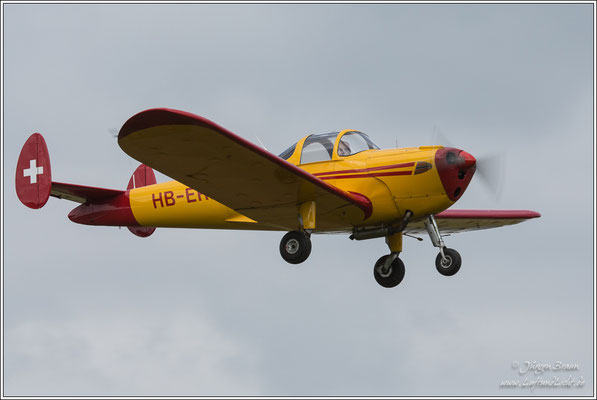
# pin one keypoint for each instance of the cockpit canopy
(325, 146)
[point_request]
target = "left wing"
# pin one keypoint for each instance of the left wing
(235, 172)
(453, 221)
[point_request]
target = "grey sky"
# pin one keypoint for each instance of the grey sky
(98, 311)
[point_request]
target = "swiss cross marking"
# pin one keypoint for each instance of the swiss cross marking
(33, 171)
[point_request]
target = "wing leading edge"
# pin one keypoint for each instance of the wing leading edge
(234, 171)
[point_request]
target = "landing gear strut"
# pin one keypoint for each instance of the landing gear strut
(295, 247)
(448, 261)
(389, 270)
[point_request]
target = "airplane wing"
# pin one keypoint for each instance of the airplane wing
(454, 221)
(234, 171)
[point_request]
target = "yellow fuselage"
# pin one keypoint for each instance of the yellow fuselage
(386, 177)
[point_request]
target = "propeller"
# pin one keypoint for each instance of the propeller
(490, 167)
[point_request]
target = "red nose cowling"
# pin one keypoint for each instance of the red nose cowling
(455, 168)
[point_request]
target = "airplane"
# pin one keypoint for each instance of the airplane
(338, 182)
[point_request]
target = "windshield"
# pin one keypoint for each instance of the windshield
(288, 152)
(353, 143)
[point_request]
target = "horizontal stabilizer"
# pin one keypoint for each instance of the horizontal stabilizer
(80, 193)
(33, 180)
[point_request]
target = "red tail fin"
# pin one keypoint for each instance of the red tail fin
(33, 180)
(143, 176)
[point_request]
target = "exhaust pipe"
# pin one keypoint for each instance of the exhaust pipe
(363, 234)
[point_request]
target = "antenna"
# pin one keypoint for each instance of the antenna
(261, 143)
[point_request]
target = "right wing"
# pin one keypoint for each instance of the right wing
(235, 172)
(454, 221)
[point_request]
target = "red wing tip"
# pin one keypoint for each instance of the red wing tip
(489, 214)
(160, 116)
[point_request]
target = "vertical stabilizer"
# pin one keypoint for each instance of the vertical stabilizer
(33, 180)
(143, 176)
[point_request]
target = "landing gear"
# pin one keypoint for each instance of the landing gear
(449, 264)
(389, 270)
(448, 261)
(295, 247)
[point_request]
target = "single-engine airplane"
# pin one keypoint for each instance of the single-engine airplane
(338, 182)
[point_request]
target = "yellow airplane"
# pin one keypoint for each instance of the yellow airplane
(338, 182)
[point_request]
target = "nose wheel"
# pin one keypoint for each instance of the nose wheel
(449, 263)
(295, 247)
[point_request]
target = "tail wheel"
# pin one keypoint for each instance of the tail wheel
(295, 247)
(449, 265)
(393, 276)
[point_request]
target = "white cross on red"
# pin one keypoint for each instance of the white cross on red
(33, 171)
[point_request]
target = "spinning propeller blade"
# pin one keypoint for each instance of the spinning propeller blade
(490, 169)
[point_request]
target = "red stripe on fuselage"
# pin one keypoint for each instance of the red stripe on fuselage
(368, 175)
(347, 171)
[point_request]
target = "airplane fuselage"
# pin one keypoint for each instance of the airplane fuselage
(394, 181)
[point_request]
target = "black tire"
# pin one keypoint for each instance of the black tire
(452, 263)
(295, 247)
(394, 275)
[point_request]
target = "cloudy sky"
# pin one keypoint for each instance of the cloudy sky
(98, 311)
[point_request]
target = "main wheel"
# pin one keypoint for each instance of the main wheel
(295, 247)
(450, 265)
(393, 276)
